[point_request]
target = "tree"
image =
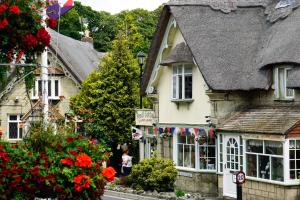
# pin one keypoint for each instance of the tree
(109, 96)
(70, 24)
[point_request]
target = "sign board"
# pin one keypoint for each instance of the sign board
(239, 177)
(136, 133)
(186, 174)
(144, 117)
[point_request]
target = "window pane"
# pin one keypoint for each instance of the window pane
(174, 70)
(180, 155)
(13, 117)
(264, 167)
(188, 69)
(203, 163)
(251, 165)
(211, 151)
(40, 88)
(191, 139)
(174, 86)
(187, 156)
(211, 163)
(254, 146)
(182, 139)
(292, 154)
(292, 174)
(292, 164)
(298, 154)
(281, 82)
(277, 169)
(56, 88)
(180, 86)
(49, 88)
(188, 80)
(289, 92)
(297, 164)
(275, 148)
(292, 144)
(20, 132)
(298, 144)
(13, 130)
(192, 156)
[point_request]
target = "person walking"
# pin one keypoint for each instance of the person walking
(126, 162)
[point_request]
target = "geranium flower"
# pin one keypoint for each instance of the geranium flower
(74, 153)
(2, 8)
(70, 139)
(29, 41)
(35, 170)
(109, 173)
(14, 9)
(83, 160)
(81, 181)
(4, 156)
(43, 37)
(67, 161)
(3, 23)
(51, 23)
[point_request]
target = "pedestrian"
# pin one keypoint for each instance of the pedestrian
(126, 162)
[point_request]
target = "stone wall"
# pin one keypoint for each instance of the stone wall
(255, 190)
(199, 182)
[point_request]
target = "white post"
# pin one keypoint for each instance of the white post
(44, 77)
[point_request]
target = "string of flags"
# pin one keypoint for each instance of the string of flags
(197, 132)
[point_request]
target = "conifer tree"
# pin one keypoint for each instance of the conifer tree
(109, 96)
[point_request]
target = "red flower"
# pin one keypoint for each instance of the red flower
(83, 160)
(4, 156)
(81, 181)
(109, 173)
(35, 170)
(67, 161)
(58, 189)
(3, 23)
(70, 139)
(29, 41)
(43, 37)
(18, 179)
(79, 148)
(51, 23)
(14, 9)
(74, 153)
(2, 8)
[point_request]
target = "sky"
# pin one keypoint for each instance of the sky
(115, 6)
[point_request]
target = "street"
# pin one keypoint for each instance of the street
(112, 195)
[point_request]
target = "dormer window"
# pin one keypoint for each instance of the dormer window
(280, 83)
(53, 89)
(182, 82)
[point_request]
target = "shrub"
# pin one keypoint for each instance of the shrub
(70, 169)
(153, 174)
(179, 193)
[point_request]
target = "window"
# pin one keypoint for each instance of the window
(15, 129)
(186, 151)
(280, 80)
(220, 153)
(294, 151)
(196, 154)
(182, 81)
(53, 89)
(264, 159)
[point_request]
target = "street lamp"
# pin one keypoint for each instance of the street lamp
(141, 58)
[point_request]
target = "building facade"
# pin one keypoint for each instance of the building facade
(70, 61)
(225, 76)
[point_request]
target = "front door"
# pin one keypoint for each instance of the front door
(231, 164)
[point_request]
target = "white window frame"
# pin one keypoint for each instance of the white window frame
(176, 76)
(35, 89)
(18, 121)
(293, 181)
(197, 156)
(270, 157)
(278, 93)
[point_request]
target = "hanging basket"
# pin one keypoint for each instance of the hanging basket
(21, 29)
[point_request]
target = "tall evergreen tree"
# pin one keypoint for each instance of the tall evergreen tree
(109, 96)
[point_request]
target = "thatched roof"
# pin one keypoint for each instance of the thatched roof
(79, 57)
(234, 42)
(180, 54)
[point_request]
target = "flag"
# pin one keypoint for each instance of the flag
(136, 133)
(57, 8)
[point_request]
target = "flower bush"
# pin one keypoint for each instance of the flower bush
(70, 168)
(21, 29)
(153, 174)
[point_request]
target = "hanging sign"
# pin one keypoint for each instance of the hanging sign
(144, 117)
(136, 133)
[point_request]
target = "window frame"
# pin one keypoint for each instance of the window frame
(18, 121)
(176, 96)
(35, 89)
(294, 181)
(197, 155)
(277, 86)
(257, 154)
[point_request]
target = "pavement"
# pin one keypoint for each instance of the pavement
(112, 195)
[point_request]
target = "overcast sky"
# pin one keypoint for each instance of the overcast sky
(115, 6)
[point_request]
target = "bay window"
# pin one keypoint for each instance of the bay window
(264, 159)
(182, 82)
(294, 158)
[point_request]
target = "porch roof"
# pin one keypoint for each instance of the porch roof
(265, 120)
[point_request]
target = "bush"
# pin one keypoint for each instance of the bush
(68, 169)
(179, 193)
(153, 174)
